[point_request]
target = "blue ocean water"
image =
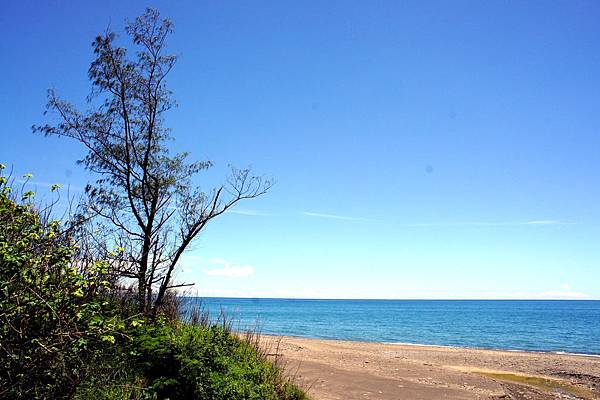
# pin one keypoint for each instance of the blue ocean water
(553, 325)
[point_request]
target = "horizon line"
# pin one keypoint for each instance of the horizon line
(394, 299)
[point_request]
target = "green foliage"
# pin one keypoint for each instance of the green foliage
(51, 318)
(196, 362)
(166, 360)
(112, 375)
(65, 332)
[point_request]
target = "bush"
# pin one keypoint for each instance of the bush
(66, 332)
(51, 319)
(209, 362)
(167, 360)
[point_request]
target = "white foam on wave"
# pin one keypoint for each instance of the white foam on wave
(575, 354)
(494, 349)
(425, 345)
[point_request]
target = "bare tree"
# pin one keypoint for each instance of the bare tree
(151, 209)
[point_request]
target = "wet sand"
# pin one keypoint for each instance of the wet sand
(332, 369)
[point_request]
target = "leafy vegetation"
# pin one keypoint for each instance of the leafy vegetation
(179, 361)
(69, 331)
(51, 317)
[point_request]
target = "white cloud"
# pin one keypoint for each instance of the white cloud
(334, 216)
(564, 293)
(228, 269)
(484, 223)
(541, 222)
(255, 213)
(544, 222)
(566, 286)
(558, 294)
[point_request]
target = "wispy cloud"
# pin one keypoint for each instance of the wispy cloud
(540, 222)
(485, 223)
(255, 213)
(544, 222)
(566, 286)
(228, 269)
(334, 216)
(563, 294)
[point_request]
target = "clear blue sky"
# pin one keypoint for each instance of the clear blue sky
(422, 149)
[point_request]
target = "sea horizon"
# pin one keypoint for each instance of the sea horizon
(548, 325)
(384, 299)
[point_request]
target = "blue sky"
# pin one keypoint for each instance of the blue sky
(421, 149)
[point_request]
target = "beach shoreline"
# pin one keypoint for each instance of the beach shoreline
(341, 369)
(442, 346)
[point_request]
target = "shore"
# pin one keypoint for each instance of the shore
(335, 369)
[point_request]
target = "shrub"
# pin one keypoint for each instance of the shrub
(66, 331)
(51, 319)
(167, 360)
(183, 361)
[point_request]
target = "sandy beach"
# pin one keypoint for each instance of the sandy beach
(332, 369)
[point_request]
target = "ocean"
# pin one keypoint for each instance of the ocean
(532, 325)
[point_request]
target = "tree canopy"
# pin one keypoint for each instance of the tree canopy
(151, 209)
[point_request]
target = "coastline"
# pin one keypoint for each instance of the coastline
(339, 369)
(443, 346)
(593, 355)
(545, 326)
